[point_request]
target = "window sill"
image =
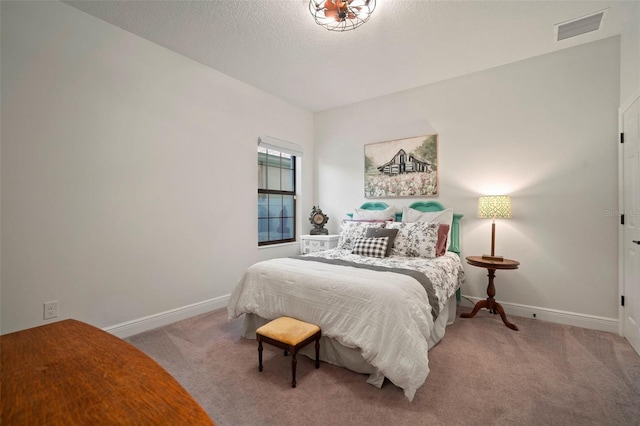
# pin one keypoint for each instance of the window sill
(293, 243)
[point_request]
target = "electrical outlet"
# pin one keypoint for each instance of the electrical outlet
(50, 309)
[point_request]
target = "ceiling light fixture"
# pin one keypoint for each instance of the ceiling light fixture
(341, 15)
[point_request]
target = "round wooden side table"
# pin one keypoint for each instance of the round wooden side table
(490, 303)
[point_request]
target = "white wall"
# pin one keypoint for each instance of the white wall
(128, 171)
(544, 131)
(118, 198)
(630, 58)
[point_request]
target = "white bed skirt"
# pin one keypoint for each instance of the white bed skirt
(333, 352)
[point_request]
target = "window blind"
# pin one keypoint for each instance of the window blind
(279, 145)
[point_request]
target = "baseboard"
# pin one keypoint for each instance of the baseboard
(591, 322)
(140, 325)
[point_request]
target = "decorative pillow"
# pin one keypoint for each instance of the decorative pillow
(441, 245)
(372, 247)
(362, 214)
(352, 230)
(443, 216)
(383, 232)
(415, 239)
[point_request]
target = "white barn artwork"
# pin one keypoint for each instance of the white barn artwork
(402, 168)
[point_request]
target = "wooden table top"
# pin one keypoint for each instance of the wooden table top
(71, 373)
(492, 264)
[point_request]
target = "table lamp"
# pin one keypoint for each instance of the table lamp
(492, 207)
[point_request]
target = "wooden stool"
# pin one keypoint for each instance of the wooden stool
(291, 335)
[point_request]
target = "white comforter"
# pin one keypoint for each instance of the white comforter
(385, 314)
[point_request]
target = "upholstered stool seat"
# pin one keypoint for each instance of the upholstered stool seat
(291, 335)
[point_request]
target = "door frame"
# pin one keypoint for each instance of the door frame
(626, 105)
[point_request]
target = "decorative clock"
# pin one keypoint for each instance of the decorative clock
(318, 220)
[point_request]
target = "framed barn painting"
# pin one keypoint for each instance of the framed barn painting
(402, 168)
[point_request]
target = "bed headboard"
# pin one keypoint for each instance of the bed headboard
(423, 206)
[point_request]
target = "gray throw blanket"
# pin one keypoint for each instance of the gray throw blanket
(418, 276)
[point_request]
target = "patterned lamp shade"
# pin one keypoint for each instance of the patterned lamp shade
(494, 206)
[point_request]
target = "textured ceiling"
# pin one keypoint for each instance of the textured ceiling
(276, 46)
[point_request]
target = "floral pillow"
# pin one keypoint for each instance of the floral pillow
(443, 216)
(352, 230)
(415, 239)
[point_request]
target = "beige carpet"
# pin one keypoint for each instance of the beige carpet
(481, 373)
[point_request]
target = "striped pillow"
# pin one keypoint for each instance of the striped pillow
(372, 247)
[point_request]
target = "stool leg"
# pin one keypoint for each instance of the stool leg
(317, 353)
(293, 368)
(259, 355)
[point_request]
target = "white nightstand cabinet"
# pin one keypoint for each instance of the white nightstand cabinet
(313, 243)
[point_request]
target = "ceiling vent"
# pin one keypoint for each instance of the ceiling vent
(579, 26)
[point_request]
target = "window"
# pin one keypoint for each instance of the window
(276, 196)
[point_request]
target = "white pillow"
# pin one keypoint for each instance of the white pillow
(362, 214)
(415, 239)
(443, 216)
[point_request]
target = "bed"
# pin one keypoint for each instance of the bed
(379, 314)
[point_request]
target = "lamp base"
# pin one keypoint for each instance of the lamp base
(489, 257)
